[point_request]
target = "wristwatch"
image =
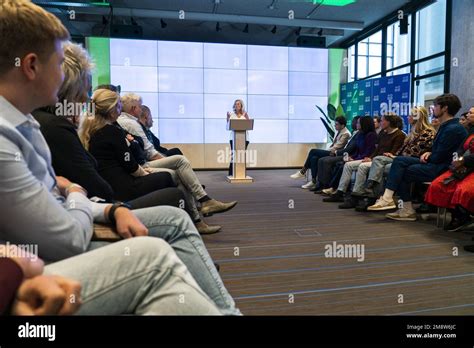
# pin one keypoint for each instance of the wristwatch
(114, 207)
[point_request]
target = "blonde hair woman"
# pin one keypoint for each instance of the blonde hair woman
(419, 140)
(238, 113)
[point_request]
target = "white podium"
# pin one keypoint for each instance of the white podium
(239, 129)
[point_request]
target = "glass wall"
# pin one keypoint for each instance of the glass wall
(428, 26)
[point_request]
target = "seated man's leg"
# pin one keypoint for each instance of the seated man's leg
(168, 196)
(315, 159)
(311, 154)
(345, 180)
(187, 177)
(377, 168)
(184, 171)
(140, 275)
(415, 173)
(397, 172)
(325, 167)
(361, 176)
(174, 226)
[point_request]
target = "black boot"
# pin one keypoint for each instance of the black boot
(364, 204)
(337, 197)
(349, 202)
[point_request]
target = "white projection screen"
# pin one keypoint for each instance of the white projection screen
(190, 86)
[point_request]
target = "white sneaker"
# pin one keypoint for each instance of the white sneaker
(329, 191)
(382, 204)
(309, 185)
(297, 175)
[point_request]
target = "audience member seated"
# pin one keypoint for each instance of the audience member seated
(389, 141)
(51, 212)
(327, 164)
(463, 120)
(454, 189)
(377, 124)
(365, 146)
(146, 121)
(148, 281)
(435, 123)
(107, 143)
(418, 141)
(408, 170)
(340, 140)
(69, 158)
(177, 165)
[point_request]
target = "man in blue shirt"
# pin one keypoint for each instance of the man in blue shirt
(408, 170)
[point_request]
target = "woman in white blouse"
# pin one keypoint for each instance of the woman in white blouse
(237, 113)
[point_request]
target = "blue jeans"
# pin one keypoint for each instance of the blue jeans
(408, 170)
(312, 160)
(175, 227)
(139, 275)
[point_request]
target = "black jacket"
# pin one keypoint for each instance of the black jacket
(70, 159)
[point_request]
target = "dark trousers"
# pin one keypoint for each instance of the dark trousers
(172, 152)
(326, 167)
(336, 174)
(312, 160)
(408, 170)
(232, 158)
(167, 196)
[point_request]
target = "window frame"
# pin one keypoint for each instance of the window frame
(382, 26)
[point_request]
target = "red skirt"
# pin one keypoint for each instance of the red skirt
(453, 194)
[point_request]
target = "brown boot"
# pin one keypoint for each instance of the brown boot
(204, 228)
(213, 207)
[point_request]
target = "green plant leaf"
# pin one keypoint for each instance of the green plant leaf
(331, 112)
(340, 111)
(321, 110)
(329, 129)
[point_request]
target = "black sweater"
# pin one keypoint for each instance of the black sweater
(70, 159)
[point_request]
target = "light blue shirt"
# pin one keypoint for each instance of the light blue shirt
(32, 211)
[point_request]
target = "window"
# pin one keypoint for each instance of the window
(351, 64)
(431, 29)
(369, 56)
(430, 66)
(427, 27)
(426, 90)
(398, 46)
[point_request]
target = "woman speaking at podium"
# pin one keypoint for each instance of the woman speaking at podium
(238, 113)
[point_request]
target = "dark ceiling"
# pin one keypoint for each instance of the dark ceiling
(201, 18)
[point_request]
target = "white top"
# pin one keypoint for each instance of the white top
(234, 116)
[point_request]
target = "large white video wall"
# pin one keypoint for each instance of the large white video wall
(191, 86)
